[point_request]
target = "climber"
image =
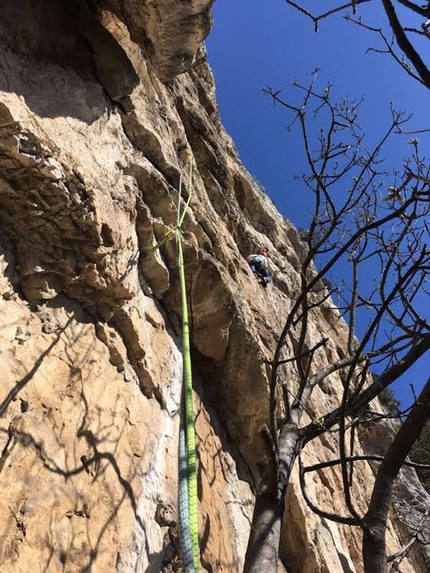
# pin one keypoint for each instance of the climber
(260, 267)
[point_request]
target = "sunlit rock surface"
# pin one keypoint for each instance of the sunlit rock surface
(103, 107)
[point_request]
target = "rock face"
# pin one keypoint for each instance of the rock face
(97, 125)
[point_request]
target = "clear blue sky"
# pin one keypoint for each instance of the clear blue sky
(255, 44)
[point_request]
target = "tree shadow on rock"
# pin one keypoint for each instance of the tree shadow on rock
(13, 393)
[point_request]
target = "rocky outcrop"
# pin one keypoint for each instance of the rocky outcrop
(93, 143)
(169, 31)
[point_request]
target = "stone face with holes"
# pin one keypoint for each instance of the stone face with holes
(97, 124)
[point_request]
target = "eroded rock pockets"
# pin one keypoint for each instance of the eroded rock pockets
(92, 145)
(84, 205)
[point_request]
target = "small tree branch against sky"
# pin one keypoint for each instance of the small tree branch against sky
(404, 36)
(373, 220)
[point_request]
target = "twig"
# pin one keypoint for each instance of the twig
(316, 19)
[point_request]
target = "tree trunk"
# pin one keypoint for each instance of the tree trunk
(374, 548)
(262, 553)
(263, 544)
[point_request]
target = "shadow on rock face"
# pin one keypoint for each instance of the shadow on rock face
(60, 58)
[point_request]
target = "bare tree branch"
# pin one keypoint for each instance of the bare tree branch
(364, 458)
(316, 19)
(362, 400)
(405, 45)
(417, 9)
(357, 221)
(411, 57)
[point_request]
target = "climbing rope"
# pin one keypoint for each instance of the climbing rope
(188, 497)
(185, 537)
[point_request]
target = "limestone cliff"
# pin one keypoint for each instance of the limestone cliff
(103, 105)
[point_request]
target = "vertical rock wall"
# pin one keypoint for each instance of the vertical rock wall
(96, 128)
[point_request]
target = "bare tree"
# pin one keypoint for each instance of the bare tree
(375, 229)
(395, 38)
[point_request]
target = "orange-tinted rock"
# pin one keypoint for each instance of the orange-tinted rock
(92, 145)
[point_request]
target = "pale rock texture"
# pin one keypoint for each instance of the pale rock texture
(97, 124)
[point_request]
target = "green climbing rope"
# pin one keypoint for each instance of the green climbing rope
(188, 497)
(190, 437)
(188, 408)
(185, 537)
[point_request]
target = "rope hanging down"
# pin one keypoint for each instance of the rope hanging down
(188, 497)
